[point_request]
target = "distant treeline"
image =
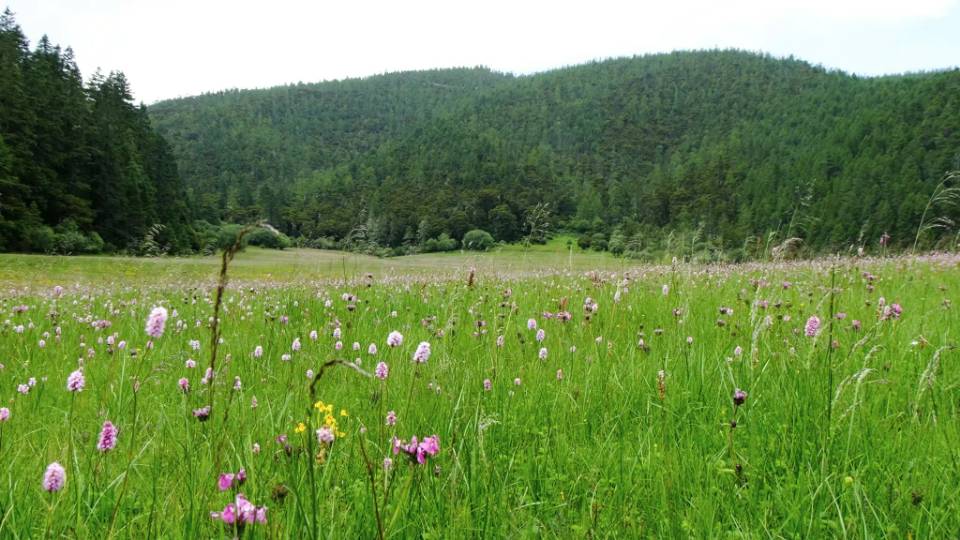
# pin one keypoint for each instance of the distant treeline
(713, 153)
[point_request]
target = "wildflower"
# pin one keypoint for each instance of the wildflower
(230, 480)
(296, 345)
(76, 382)
(313, 335)
(202, 414)
(4, 414)
(194, 344)
(381, 371)
(391, 418)
(418, 451)
(285, 357)
(559, 374)
(395, 339)
(500, 340)
(190, 363)
(256, 448)
(336, 333)
(54, 478)
(739, 397)
(813, 326)
(241, 512)
(108, 437)
(253, 402)
(23, 389)
(422, 353)
(372, 349)
(338, 346)
(516, 382)
(325, 435)
(258, 351)
(543, 353)
(387, 464)
(156, 322)
(856, 324)
(738, 351)
(541, 335)
(532, 324)
(301, 427)
(665, 290)
(487, 385)
(237, 384)
(310, 374)
(689, 340)
(41, 344)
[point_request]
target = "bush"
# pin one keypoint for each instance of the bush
(584, 241)
(478, 240)
(41, 238)
(598, 242)
(441, 243)
(267, 239)
(69, 239)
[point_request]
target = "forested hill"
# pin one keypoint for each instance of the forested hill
(81, 168)
(720, 148)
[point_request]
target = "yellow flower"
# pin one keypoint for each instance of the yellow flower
(343, 413)
(301, 427)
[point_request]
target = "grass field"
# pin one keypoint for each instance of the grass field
(299, 265)
(623, 421)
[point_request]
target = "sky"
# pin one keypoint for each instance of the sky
(173, 48)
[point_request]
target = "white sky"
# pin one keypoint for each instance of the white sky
(171, 48)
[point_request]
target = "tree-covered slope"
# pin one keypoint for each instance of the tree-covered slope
(728, 146)
(81, 168)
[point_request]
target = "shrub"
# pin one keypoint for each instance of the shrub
(478, 240)
(441, 243)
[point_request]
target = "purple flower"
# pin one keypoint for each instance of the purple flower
(184, 384)
(541, 335)
(202, 414)
(856, 324)
(395, 339)
(739, 397)
(382, 371)
(543, 353)
(422, 354)
(54, 478)
(296, 345)
(391, 418)
(156, 322)
(487, 384)
(325, 435)
(241, 512)
(108, 437)
(230, 480)
(813, 326)
(4, 414)
(531, 324)
(258, 351)
(372, 349)
(76, 382)
(418, 451)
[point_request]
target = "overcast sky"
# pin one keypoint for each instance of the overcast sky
(171, 48)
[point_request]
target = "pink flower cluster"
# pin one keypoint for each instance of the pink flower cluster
(418, 450)
(227, 481)
(241, 512)
(156, 322)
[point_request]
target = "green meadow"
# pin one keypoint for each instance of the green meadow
(572, 395)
